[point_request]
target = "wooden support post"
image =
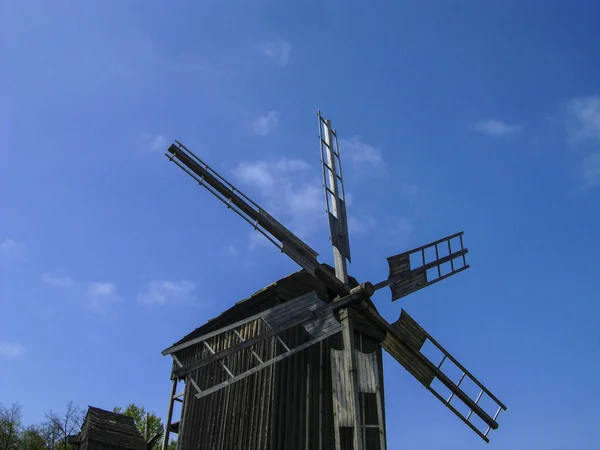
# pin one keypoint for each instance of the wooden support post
(341, 272)
(170, 415)
(350, 356)
(307, 412)
(321, 374)
(148, 424)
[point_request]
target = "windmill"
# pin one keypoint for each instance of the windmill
(298, 364)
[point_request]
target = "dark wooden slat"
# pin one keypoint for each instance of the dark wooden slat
(396, 344)
(266, 364)
(404, 317)
(297, 320)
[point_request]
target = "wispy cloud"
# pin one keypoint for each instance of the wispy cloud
(195, 66)
(291, 191)
(584, 118)
(232, 250)
(586, 112)
(359, 152)
(411, 190)
(360, 225)
(279, 51)
(10, 350)
(591, 169)
(154, 142)
(58, 280)
(11, 249)
(497, 128)
(265, 123)
(98, 295)
(161, 292)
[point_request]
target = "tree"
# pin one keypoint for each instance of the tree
(138, 413)
(10, 426)
(32, 438)
(58, 428)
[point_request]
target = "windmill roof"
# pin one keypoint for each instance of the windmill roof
(111, 428)
(281, 291)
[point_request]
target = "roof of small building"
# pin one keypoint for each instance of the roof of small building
(281, 291)
(112, 428)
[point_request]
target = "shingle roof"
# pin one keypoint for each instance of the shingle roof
(112, 428)
(285, 289)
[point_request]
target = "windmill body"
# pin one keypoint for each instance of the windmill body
(298, 365)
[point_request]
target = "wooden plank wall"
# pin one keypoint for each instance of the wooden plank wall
(285, 406)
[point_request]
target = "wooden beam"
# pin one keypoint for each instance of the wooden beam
(265, 364)
(169, 415)
(355, 296)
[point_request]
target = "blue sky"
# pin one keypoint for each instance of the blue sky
(474, 116)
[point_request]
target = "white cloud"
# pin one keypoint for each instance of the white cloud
(267, 175)
(160, 292)
(10, 350)
(97, 294)
(159, 142)
(586, 112)
(591, 169)
(264, 124)
(360, 226)
(256, 239)
(291, 191)
(360, 152)
(497, 128)
(279, 51)
(154, 142)
(232, 251)
(349, 199)
(101, 294)
(58, 280)
(11, 249)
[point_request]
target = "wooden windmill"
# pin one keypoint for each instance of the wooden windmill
(298, 365)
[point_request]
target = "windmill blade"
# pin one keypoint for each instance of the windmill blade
(333, 184)
(275, 232)
(404, 340)
(408, 276)
(258, 341)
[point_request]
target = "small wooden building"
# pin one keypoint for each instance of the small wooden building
(106, 430)
(294, 404)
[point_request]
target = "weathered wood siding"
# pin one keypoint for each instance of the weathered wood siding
(286, 406)
(91, 444)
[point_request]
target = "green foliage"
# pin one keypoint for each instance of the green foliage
(10, 427)
(32, 438)
(53, 433)
(58, 427)
(138, 413)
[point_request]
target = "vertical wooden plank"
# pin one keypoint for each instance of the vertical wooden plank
(170, 414)
(321, 375)
(335, 394)
(352, 383)
(308, 408)
(380, 406)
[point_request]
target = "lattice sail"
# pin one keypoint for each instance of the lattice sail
(333, 184)
(425, 265)
(405, 344)
(241, 204)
